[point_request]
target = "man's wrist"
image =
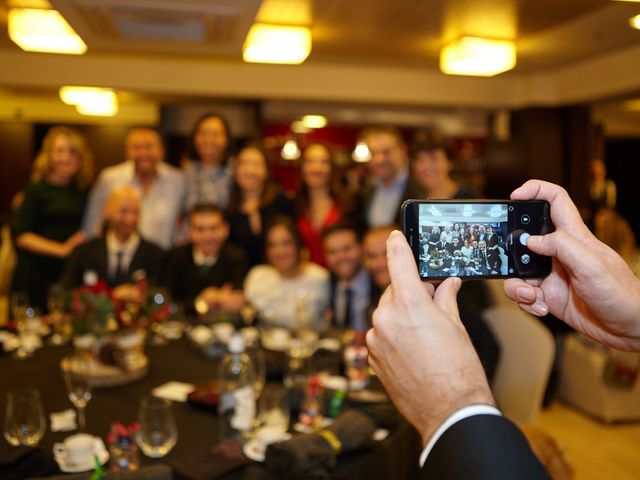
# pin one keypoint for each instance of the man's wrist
(460, 414)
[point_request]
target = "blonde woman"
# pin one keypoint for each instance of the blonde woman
(46, 225)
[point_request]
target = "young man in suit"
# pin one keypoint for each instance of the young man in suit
(121, 257)
(207, 274)
(434, 376)
(351, 285)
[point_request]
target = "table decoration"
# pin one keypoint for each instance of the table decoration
(110, 327)
(123, 447)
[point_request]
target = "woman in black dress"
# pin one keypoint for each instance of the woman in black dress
(254, 201)
(46, 225)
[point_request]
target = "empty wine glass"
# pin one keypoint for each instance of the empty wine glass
(25, 422)
(260, 370)
(77, 378)
(56, 305)
(21, 310)
(158, 432)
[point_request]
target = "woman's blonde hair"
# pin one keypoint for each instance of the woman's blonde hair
(42, 164)
(615, 231)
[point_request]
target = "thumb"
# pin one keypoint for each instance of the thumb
(446, 297)
(569, 251)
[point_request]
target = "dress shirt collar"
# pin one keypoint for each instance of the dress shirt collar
(399, 183)
(200, 258)
(359, 283)
(128, 248)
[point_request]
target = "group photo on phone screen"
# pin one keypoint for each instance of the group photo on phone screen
(462, 239)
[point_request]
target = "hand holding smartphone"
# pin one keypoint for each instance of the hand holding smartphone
(476, 238)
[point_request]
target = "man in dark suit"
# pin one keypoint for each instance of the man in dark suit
(351, 284)
(121, 257)
(420, 351)
(391, 182)
(207, 274)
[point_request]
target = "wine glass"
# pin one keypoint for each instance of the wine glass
(20, 311)
(158, 432)
(259, 370)
(56, 306)
(77, 379)
(25, 422)
(158, 300)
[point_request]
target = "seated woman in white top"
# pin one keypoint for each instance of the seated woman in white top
(287, 291)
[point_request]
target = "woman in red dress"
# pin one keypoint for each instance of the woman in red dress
(320, 202)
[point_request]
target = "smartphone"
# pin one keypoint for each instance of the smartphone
(476, 238)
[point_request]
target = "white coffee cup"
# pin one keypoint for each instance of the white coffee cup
(76, 449)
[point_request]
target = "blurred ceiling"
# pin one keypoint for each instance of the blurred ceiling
(364, 51)
(549, 33)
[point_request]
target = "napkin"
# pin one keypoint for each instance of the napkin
(176, 391)
(311, 456)
(64, 421)
(24, 462)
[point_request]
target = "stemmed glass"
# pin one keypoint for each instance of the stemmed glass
(159, 299)
(56, 306)
(21, 310)
(25, 422)
(77, 378)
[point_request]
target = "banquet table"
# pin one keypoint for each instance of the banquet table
(395, 457)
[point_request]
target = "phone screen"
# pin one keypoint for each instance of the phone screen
(463, 239)
(483, 239)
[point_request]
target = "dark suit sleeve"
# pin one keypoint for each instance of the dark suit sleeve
(483, 447)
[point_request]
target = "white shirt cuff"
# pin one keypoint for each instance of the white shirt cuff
(464, 412)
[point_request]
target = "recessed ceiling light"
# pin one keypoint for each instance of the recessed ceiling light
(94, 101)
(277, 44)
(478, 56)
(635, 22)
(314, 121)
(40, 30)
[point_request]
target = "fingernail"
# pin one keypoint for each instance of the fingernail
(540, 309)
(525, 294)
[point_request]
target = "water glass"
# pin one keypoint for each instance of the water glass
(25, 422)
(273, 409)
(158, 432)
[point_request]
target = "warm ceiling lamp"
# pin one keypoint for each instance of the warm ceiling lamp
(635, 22)
(39, 30)
(477, 56)
(277, 44)
(314, 121)
(96, 101)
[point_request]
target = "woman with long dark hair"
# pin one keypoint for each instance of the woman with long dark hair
(254, 201)
(320, 201)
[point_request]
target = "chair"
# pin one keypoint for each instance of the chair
(582, 382)
(7, 264)
(526, 356)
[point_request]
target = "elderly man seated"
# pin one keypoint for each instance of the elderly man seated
(207, 274)
(121, 257)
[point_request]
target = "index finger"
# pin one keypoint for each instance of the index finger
(563, 211)
(402, 266)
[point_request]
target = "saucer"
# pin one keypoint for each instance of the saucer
(101, 452)
(256, 449)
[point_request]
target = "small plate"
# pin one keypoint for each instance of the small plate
(256, 449)
(101, 452)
